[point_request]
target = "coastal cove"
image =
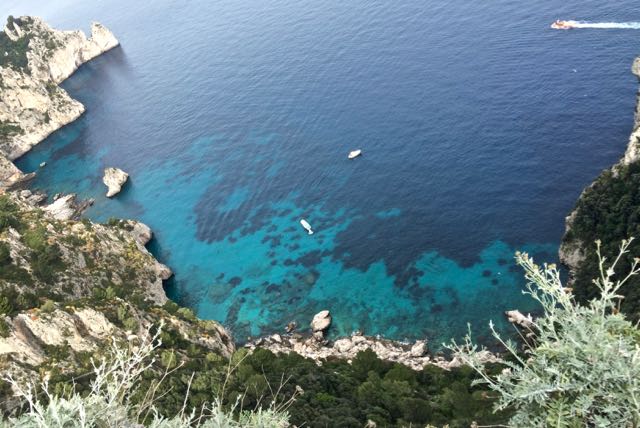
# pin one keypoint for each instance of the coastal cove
(412, 239)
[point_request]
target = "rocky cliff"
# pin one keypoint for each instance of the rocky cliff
(69, 287)
(608, 212)
(574, 247)
(34, 59)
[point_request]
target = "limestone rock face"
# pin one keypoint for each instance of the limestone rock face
(571, 253)
(31, 101)
(35, 107)
(54, 55)
(62, 208)
(140, 232)
(100, 273)
(114, 178)
(418, 349)
(321, 321)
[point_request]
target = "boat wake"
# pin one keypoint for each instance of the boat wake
(603, 25)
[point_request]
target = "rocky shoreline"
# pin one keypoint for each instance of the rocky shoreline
(315, 346)
(32, 99)
(32, 105)
(413, 355)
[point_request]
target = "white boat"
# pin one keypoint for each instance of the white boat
(562, 25)
(307, 226)
(354, 153)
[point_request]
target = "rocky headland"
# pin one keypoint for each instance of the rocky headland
(73, 286)
(69, 287)
(573, 248)
(34, 59)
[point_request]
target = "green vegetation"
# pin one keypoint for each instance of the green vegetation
(285, 389)
(109, 403)
(609, 210)
(582, 368)
(9, 129)
(348, 395)
(9, 213)
(122, 224)
(334, 394)
(14, 53)
(46, 258)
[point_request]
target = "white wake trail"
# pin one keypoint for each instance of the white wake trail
(605, 25)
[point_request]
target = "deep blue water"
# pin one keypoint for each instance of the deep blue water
(480, 126)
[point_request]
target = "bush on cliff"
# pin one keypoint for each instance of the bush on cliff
(581, 364)
(14, 53)
(608, 210)
(337, 393)
(9, 213)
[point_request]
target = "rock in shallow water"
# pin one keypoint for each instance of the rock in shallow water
(321, 321)
(516, 317)
(419, 349)
(114, 178)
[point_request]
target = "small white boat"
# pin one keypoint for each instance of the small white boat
(354, 153)
(307, 226)
(562, 25)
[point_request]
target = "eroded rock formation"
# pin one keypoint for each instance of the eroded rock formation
(32, 105)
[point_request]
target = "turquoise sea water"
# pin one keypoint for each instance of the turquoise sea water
(479, 125)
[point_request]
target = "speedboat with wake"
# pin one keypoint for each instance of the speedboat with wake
(562, 25)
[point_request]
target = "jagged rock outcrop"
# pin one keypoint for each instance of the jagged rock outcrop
(632, 153)
(412, 355)
(114, 179)
(32, 105)
(90, 254)
(71, 287)
(67, 207)
(321, 321)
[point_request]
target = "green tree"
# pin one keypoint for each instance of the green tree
(8, 213)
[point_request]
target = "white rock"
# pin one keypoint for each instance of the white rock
(358, 339)
(62, 208)
(343, 345)
(516, 317)
(321, 321)
(140, 232)
(418, 349)
(114, 178)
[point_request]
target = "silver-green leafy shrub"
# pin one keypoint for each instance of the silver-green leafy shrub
(580, 365)
(108, 404)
